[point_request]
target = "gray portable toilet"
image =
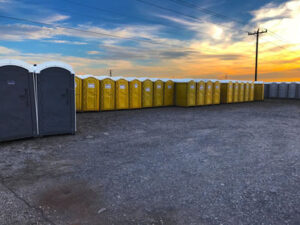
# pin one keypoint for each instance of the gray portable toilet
(266, 90)
(298, 91)
(292, 90)
(55, 98)
(17, 100)
(283, 90)
(273, 90)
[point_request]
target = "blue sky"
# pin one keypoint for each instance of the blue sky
(154, 41)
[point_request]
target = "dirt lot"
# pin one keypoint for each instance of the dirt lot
(227, 164)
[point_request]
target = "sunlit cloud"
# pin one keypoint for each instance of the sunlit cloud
(93, 52)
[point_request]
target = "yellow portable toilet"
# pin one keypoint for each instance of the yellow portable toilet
(78, 93)
(226, 92)
(185, 93)
(122, 94)
(135, 93)
(246, 92)
(241, 91)
(107, 94)
(251, 97)
(169, 93)
(90, 94)
(216, 93)
(259, 91)
(147, 94)
(158, 93)
(235, 92)
(200, 99)
(208, 93)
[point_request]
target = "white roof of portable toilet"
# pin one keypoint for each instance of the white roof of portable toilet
(15, 62)
(45, 65)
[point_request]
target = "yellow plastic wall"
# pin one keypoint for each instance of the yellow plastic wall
(90, 94)
(227, 92)
(200, 99)
(251, 97)
(259, 92)
(122, 94)
(147, 94)
(246, 92)
(208, 93)
(241, 92)
(158, 93)
(216, 93)
(107, 94)
(236, 87)
(135, 94)
(169, 93)
(78, 93)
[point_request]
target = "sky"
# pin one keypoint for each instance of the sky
(154, 38)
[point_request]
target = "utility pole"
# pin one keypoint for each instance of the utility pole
(257, 33)
(110, 73)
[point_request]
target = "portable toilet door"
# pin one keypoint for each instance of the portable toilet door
(246, 92)
(273, 90)
(259, 91)
(169, 93)
(251, 96)
(216, 93)
(200, 99)
(208, 93)
(135, 94)
(107, 94)
(236, 88)
(292, 91)
(186, 93)
(78, 93)
(17, 100)
(191, 93)
(241, 92)
(227, 92)
(56, 98)
(266, 90)
(122, 94)
(298, 91)
(147, 94)
(90, 94)
(158, 93)
(283, 90)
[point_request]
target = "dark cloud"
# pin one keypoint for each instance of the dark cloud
(176, 54)
(225, 57)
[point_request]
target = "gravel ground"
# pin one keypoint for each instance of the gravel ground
(228, 164)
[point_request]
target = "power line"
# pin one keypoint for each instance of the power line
(113, 12)
(286, 43)
(179, 13)
(85, 31)
(206, 11)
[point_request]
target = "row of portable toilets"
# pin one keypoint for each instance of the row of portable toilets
(282, 90)
(40, 100)
(37, 100)
(94, 93)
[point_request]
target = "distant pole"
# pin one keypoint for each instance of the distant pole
(110, 73)
(257, 33)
